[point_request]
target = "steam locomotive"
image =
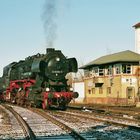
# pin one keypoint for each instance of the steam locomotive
(39, 80)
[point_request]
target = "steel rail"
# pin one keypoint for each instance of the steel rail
(107, 121)
(29, 134)
(65, 127)
(96, 111)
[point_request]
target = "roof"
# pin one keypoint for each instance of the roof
(124, 56)
(137, 25)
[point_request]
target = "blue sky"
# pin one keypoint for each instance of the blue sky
(86, 29)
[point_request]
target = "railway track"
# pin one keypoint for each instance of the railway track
(29, 134)
(126, 122)
(73, 125)
(76, 135)
(108, 118)
(128, 112)
(42, 127)
(128, 116)
(32, 121)
(112, 129)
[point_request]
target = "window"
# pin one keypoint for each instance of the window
(95, 71)
(89, 91)
(101, 71)
(99, 84)
(108, 90)
(93, 90)
(109, 70)
(100, 90)
(126, 68)
(118, 71)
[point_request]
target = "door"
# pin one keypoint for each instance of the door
(130, 95)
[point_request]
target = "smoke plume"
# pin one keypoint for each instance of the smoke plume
(49, 17)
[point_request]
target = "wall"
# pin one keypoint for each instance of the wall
(119, 85)
(137, 40)
(79, 87)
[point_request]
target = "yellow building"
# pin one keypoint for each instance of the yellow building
(113, 79)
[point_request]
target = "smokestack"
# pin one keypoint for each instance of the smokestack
(48, 50)
(137, 37)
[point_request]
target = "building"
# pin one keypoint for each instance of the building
(79, 87)
(137, 37)
(113, 79)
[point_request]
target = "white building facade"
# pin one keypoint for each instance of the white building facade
(137, 37)
(80, 88)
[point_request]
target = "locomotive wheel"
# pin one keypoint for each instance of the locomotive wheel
(28, 103)
(18, 101)
(38, 103)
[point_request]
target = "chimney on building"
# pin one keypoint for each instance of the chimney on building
(137, 37)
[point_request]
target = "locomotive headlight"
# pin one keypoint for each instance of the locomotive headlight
(57, 59)
(47, 89)
(71, 89)
(58, 95)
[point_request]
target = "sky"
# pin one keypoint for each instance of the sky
(85, 29)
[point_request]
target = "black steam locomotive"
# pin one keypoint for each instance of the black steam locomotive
(39, 80)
